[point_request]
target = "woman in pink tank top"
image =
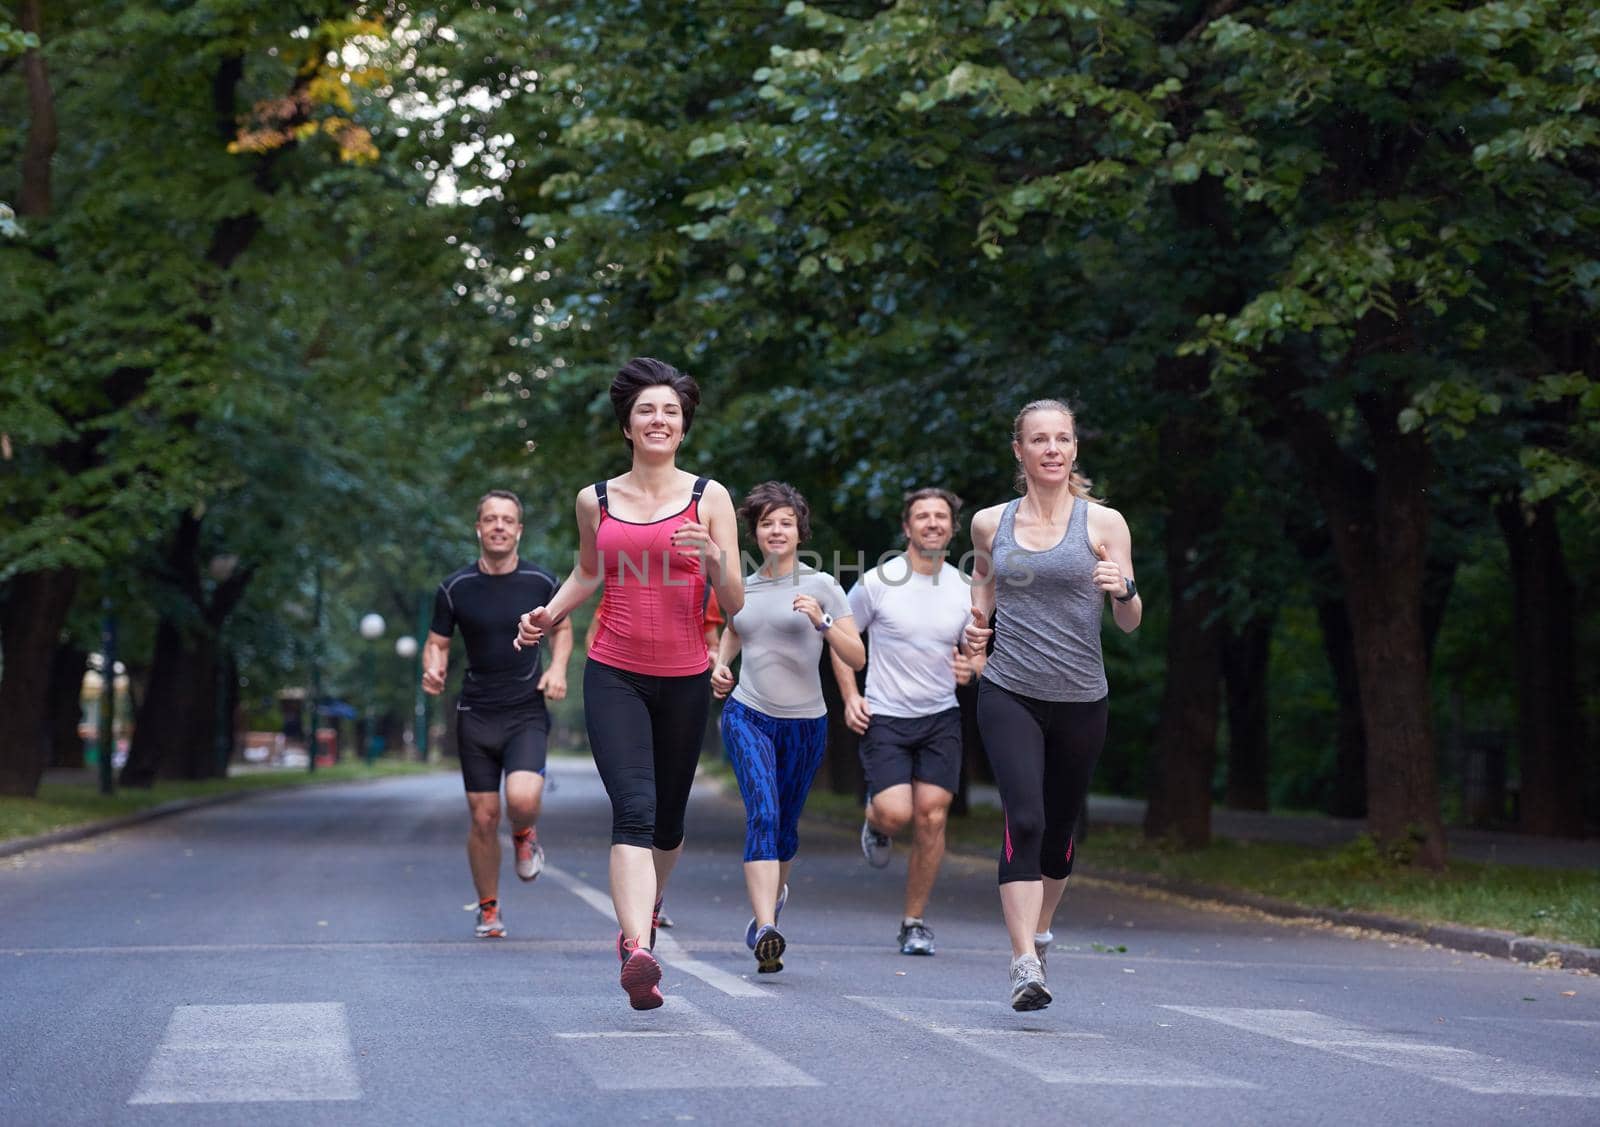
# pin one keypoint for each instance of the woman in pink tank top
(654, 538)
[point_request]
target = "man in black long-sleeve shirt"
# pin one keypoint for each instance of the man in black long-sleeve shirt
(501, 723)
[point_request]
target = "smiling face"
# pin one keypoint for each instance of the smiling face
(778, 533)
(929, 526)
(655, 422)
(499, 527)
(1047, 447)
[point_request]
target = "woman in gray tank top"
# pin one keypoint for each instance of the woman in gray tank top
(1046, 564)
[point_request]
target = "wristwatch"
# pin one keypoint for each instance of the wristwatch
(827, 621)
(1132, 591)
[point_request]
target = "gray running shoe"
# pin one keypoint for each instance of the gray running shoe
(490, 925)
(916, 938)
(1041, 947)
(874, 845)
(1028, 991)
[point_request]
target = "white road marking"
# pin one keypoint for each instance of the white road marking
(252, 1054)
(687, 1047)
(1446, 1064)
(667, 949)
(1055, 1056)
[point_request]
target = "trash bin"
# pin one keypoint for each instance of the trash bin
(327, 746)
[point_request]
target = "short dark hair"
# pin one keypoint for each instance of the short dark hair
(924, 494)
(642, 372)
(770, 495)
(501, 495)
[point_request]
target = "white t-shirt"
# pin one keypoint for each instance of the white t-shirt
(915, 622)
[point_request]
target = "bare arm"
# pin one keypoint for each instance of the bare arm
(975, 639)
(1114, 547)
(553, 682)
(857, 715)
(722, 562)
(582, 583)
(844, 643)
(722, 678)
(435, 663)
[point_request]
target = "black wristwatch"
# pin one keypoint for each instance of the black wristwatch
(1132, 591)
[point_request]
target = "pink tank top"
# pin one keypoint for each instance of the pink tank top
(652, 611)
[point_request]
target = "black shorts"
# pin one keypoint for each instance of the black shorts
(898, 749)
(494, 743)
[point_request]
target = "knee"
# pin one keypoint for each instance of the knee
(932, 819)
(1025, 826)
(486, 821)
(890, 817)
(634, 815)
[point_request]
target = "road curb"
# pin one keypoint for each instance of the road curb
(1457, 937)
(1482, 941)
(69, 834)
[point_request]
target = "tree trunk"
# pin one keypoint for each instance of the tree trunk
(32, 616)
(66, 705)
(1378, 520)
(176, 733)
(1184, 753)
(1349, 792)
(1547, 691)
(1245, 656)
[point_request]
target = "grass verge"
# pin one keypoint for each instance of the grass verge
(61, 805)
(1555, 904)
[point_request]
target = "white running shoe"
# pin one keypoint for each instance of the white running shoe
(1028, 991)
(530, 854)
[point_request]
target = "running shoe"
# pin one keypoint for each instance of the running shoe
(490, 925)
(1041, 946)
(530, 854)
(769, 947)
(916, 938)
(874, 845)
(750, 928)
(1028, 991)
(641, 974)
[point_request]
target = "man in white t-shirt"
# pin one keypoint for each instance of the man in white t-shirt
(913, 609)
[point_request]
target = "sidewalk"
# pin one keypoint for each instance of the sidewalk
(1488, 846)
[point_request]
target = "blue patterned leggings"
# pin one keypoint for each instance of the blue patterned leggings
(775, 761)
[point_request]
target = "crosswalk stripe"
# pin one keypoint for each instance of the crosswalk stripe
(252, 1054)
(1446, 1064)
(1054, 1056)
(667, 949)
(688, 1048)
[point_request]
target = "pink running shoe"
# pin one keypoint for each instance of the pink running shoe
(641, 974)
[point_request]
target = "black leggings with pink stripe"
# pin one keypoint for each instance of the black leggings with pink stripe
(1043, 754)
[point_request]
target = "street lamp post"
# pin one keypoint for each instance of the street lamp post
(372, 627)
(405, 647)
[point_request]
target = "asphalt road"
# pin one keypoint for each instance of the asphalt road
(307, 958)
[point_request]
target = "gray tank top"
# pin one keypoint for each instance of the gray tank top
(1047, 614)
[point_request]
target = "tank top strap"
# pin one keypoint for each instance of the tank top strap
(1008, 520)
(600, 495)
(699, 488)
(1079, 522)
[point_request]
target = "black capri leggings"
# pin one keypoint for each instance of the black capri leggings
(1043, 754)
(645, 734)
